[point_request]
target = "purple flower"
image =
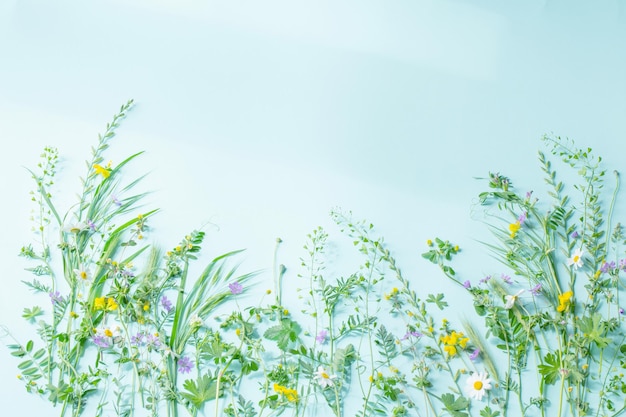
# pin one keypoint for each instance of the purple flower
(166, 304)
(606, 266)
(528, 194)
(116, 201)
(321, 336)
(621, 311)
(411, 334)
(535, 290)
(467, 285)
(91, 225)
(574, 235)
(506, 279)
(100, 341)
(153, 340)
(235, 288)
(475, 354)
(56, 297)
(484, 280)
(137, 339)
(522, 218)
(185, 365)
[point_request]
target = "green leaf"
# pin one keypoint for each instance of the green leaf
(287, 331)
(31, 314)
(201, 391)
(437, 300)
(455, 405)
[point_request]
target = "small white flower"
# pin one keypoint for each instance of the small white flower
(323, 378)
(195, 321)
(511, 299)
(82, 274)
(75, 227)
(477, 385)
(576, 260)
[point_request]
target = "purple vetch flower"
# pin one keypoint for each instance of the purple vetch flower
(411, 334)
(528, 195)
(484, 280)
(621, 310)
(56, 297)
(467, 285)
(100, 341)
(574, 235)
(535, 290)
(166, 304)
(522, 218)
(474, 355)
(607, 266)
(321, 336)
(235, 288)
(506, 279)
(185, 365)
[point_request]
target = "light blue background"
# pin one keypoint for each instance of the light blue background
(260, 116)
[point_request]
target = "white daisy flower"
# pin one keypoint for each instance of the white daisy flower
(75, 227)
(576, 260)
(82, 274)
(511, 299)
(477, 385)
(323, 378)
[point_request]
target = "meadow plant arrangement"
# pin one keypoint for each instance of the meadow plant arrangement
(126, 328)
(554, 311)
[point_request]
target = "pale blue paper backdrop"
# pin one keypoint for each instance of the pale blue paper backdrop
(260, 116)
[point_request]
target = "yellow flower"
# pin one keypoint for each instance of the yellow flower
(146, 307)
(514, 228)
(101, 170)
(111, 304)
(73, 314)
(99, 303)
(429, 242)
(564, 301)
(450, 349)
(290, 394)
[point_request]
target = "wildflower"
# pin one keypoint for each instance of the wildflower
(83, 274)
(321, 336)
(522, 218)
(323, 378)
(100, 170)
(152, 340)
(146, 306)
(75, 227)
(621, 310)
(484, 280)
(506, 279)
(185, 365)
(477, 385)
(474, 355)
(565, 300)
(116, 201)
(100, 341)
(137, 339)
(429, 242)
(467, 285)
(511, 299)
(290, 394)
(574, 235)
(99, 303)
(166, 304)
(535, 290)
(452, 340)
(195, 321)
(607, 266)
(111, 304)
(235, 288)
(91, 225)
(56, 297)
(73, 314)
(514, 228)
(411, 334)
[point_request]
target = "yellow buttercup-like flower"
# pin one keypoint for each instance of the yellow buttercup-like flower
(565, 300)
(100, 170)
(99, 303)
(514, 228)
(290, 394)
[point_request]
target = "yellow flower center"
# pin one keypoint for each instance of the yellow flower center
(83, 274)
(325, 375)
(108, 332)
(478, 385)
(576, 258)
